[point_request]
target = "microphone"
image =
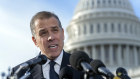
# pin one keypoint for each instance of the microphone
(122, 73)
(66, 73)
(41, 59)
(79, 60)
(100, 68)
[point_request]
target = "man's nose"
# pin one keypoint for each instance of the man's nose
(50, 38)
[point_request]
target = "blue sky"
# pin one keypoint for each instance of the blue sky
(16, 45)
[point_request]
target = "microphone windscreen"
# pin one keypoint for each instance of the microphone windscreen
(121, 71)
(77, 57)
(96, 64)
(43, 58)
(66, 73)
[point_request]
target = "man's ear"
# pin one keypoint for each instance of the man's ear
(34, 40)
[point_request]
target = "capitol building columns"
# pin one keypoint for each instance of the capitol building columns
(113, 54)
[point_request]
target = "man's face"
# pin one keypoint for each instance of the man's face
(49, 37)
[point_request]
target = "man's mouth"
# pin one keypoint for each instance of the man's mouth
(53, 46)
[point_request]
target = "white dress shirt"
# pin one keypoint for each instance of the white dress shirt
(46, 66)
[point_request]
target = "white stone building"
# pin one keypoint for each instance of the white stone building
(108, 30)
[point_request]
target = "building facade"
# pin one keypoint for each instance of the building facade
(107, 30)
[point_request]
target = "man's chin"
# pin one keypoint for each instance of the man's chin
(53, 57)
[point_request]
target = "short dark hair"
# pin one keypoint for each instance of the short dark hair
(42, 15)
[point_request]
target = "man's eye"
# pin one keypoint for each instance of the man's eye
(42, 33)
(55, 30)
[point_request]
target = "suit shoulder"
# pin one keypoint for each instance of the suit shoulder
(66, 53)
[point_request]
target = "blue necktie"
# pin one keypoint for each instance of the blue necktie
(53, 74)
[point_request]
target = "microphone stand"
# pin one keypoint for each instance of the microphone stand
(88, 71)
(22, 66)
(88, 76)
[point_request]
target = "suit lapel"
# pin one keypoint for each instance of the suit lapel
(65, 60)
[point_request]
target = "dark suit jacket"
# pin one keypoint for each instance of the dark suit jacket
(36, 71)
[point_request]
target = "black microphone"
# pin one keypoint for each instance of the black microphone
(41, 59)
(66, 73)
(79, 60)
(99, 68)
(122, 73)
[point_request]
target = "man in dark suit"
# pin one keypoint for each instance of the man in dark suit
(48, 35)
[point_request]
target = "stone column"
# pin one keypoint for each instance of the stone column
(102, 53)
(119, 57)
(86, 50)
(127, 58)
(111, 54)
(94, 55)
(135, 56)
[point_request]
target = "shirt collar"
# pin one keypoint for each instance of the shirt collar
(58, 60)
